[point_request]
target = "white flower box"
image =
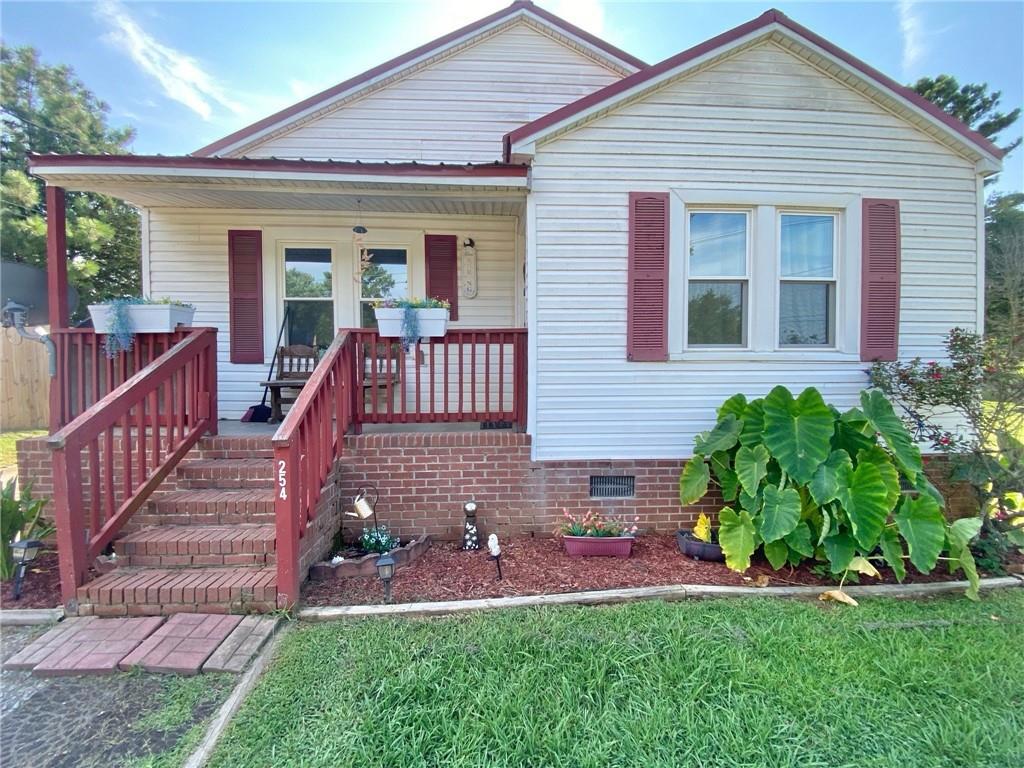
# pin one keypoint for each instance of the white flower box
(433, 322)
(144, 318)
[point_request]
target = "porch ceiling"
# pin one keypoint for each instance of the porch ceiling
(296, 185)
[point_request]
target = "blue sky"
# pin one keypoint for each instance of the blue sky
(186, 73)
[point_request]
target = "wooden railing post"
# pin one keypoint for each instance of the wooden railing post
(69, 517)
(520, 381)
(211, 368)
(286, 511)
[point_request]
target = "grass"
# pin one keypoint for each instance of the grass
(9, 441)
(728, 683)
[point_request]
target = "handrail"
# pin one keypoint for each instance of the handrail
(144, 427)
(306, 445)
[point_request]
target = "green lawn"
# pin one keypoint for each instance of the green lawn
(726, 683)
(9, 441)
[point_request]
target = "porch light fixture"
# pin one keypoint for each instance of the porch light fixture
(23, 552)
(386, 572)
(470, 532)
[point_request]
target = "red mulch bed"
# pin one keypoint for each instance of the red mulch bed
(534, 566)
(41, 587)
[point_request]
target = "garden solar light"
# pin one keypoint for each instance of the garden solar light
(470, 534)
(492, 545)
(386, 572)
(23, 552)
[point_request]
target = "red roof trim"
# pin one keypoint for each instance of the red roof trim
(766, 19)
(405, 58)
(273, 164)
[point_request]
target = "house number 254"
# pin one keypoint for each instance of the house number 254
(282, 479)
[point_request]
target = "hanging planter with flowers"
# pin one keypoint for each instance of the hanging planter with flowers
(411, 319)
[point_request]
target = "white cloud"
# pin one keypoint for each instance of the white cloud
(181, 76)
(912, 27)
(586, 14)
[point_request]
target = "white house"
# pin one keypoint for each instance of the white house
(624, 246)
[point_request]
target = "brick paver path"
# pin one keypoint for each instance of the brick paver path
(84, 646)
(182, 644)
(241, 645)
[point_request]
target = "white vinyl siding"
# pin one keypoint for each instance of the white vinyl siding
(454, 111)
(188, 260)
(761, 124)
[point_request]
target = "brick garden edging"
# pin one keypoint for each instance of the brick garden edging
(367, 564)
(669, 593)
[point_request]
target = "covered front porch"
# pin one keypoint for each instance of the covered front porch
(274, 254)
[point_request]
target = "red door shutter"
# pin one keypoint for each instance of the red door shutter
(442, 257)
(245, 295)
(880, 280)
(647, 304)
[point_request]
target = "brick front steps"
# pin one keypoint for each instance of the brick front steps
(209, 506)
(185, 545)
(226, 473)
(163, 591)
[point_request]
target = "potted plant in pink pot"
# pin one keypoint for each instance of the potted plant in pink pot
(594, 534)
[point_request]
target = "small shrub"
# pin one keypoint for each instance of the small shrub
(378, 539)
(803, 480)
(18, 515)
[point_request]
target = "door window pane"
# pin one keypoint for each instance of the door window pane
(385, 274)
(307, 273)
(718, 244)
(310, 322)
(715, 313)
(807, 245)
(806, 312)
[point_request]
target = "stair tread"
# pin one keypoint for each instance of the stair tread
(216, 494)
(256, 461)
(261, 531)
(182, 586)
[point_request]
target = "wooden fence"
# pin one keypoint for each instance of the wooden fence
(24, 383)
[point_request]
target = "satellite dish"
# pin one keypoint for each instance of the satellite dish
(26, 285)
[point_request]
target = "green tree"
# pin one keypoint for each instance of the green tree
(971, 104)
(47, 109)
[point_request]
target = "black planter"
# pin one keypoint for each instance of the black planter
(697, 549)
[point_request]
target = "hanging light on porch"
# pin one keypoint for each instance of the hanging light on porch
(359, 229)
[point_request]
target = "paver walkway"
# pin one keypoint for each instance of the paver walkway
(182, 644)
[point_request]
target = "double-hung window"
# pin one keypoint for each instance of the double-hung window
(718, 278)
(385, 275)
(309, 295)
(807, 280)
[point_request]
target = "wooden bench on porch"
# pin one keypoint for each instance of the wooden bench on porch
(295, 364)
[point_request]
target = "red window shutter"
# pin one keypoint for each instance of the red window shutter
(245, 295)
(880, 280)
(647, 305)
(442, 257)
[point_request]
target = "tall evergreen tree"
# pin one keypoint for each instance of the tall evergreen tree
(48, 109)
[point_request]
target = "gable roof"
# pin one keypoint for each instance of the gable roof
(910, 102)
(609, 54)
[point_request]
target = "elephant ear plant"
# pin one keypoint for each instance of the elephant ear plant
(802, 480)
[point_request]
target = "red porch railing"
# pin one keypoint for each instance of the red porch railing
(85, 374)
(306, 444)
(113, 455)
(465, 375)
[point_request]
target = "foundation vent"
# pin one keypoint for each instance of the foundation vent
(612, 486)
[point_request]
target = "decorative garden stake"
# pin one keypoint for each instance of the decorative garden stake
(470, 534)
(363, 508)
(492, 545)
(386, 572)
(23, 552)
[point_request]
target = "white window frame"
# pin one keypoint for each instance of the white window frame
(285, 245)
(834, 280)
(746, 278)
(763, 273)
